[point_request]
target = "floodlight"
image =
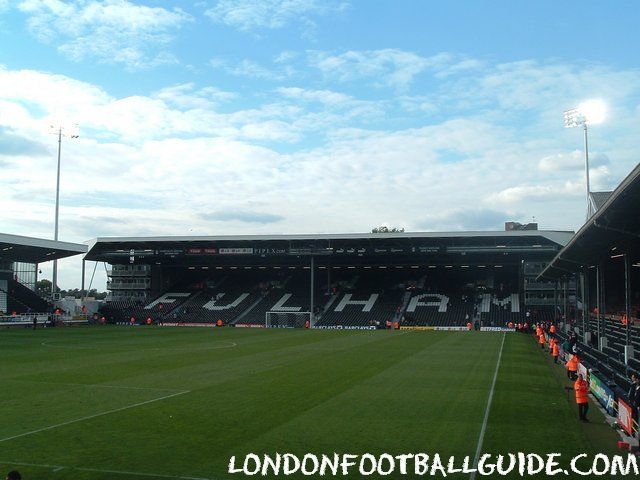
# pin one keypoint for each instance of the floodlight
(593, 111)
(573, 118)
(61, 129)
(589, 112)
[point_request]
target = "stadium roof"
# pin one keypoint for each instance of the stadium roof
(613, 229)
(598, 199)
(16, 248)
(560, 237)
(115, 249)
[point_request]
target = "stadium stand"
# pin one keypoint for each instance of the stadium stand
(363, 298)
(229, 300)
(290, 293)
(608, 362)
(345, 298)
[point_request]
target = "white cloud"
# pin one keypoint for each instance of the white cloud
(113, 31)
(460, 219)
(186, 96)
(327, 97)
(249, 68)
(513, 195)
(553, 190)
(155, 163)
(251, 15)
(387, 67)
(391, 67)
(571, 161)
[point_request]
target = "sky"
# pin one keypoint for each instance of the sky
(308, 116)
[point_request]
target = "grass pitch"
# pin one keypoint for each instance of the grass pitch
(144, 402)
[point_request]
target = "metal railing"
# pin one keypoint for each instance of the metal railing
(128, 273)
(128, 285)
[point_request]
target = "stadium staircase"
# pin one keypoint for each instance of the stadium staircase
(21, 299)
(242, 318)
(403, 306)
(3, 301)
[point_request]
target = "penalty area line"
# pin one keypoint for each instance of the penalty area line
(89, 417)
(486, 412)
(93, 385)
(57, 468)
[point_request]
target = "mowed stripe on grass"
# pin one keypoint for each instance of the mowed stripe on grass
(286, 391)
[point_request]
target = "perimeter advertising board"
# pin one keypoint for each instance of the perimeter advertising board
(603, 394)
(625, 416)
(582, 370)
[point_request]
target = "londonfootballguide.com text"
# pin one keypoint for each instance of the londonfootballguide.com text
(423, 464)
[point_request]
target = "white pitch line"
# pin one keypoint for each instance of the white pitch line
(216, 346)
(57, 468)
(96, 385)
(89, 417)
(140, 474)
(486, 413)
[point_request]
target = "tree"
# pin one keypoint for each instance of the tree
(77, 293)
(43, 287)
(385, 229)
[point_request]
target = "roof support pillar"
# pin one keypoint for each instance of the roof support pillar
(627, 307)
(599, 306)
(555, 301)
(584, 280)
(566, 299)
(311, 307)
(82, 293)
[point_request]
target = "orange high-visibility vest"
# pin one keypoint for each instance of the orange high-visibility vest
(553, 329)
(541, 339)
(582, 391)
(555, 351)
(572, 364)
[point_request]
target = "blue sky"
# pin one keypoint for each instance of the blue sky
(285, 116)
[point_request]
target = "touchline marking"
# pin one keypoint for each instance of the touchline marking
(89, 417)
(57, 468)
(488, 409)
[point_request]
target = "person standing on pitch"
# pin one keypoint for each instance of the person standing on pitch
(572, 366)
(555, 351)
(582, 397)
